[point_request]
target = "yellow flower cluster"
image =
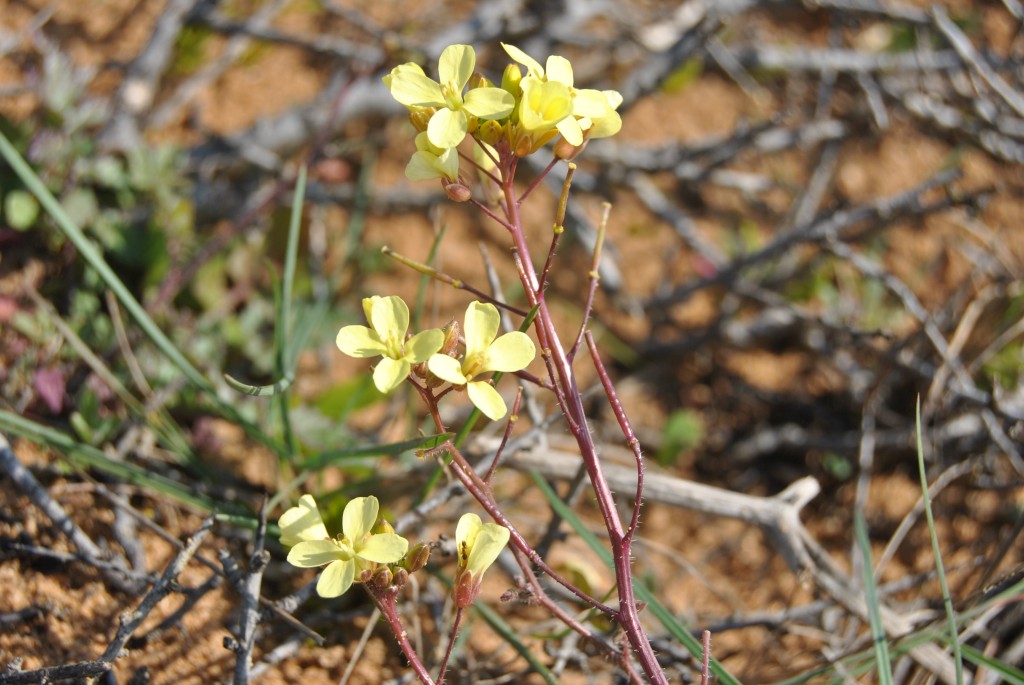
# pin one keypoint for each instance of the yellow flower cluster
(366, 547)
(518, 117)
(486, 352)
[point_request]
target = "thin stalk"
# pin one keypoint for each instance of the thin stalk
(451, 644)
(540, 177)
(456, 283)
(572, 406)
(559, 227)
(595, 277)
(627, 432)
(512, 418)
(385, 601)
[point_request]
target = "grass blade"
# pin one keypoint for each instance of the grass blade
(881, 643)
(940, 570)
(86, 456)
(95, 259)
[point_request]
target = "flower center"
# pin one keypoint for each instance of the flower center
(452, 95)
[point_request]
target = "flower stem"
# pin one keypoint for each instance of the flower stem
(385, 601)
(572, 406)
(451, 644)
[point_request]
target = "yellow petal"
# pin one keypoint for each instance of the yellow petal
(302, 522)
(313, 553)
(490, 540)
(447, 369)
(336, 579)
(358, 518)
(389, 316)
(389, 374)
(559, 69)
(532, 65)
(360, 341)
(482, 321)
(456, 65)
(383, 548)
(465, 535)
(511, 352)
(486, 399)
(447, 128)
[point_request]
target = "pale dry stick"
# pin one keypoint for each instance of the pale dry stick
(970, 56)
(325, 46)
(279, 611)
(114, 569)
(138, 89)
(130, 622)
(250, 590)
(968, 320)
(779, 514)
(832, 580)
(914, 307)
(948, 476)
(832, 224)
(847, 61)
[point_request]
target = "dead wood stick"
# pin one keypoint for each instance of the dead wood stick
(10, 675)
(969, 55)
(250, 590)
(115, 570)
(778, 515)
(131, 622)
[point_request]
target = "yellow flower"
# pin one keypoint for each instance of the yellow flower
(347, 556)
(593, 111)
(511, 352)
(389, 319)
(449, 124)
(430, 161)
(478, 545)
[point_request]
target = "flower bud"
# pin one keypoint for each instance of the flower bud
(466, 589)
(420, 117)
(458, 192)
(383, 527)
(567, 151)
(383, 578)
(490, 132)
(417, 557)
(401, 578)
(523, 146)
(478, 80)
(451, 331)
(510, 79)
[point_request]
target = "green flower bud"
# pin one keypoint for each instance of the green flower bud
(490, 132)
(510, 79)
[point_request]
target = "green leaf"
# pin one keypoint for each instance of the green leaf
(683, 76)
(21, 210)
(683, 431)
